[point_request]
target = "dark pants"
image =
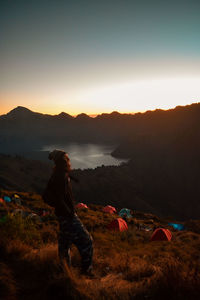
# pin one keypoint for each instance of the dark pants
(71, 232)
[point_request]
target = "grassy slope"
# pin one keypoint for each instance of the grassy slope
(126, 265)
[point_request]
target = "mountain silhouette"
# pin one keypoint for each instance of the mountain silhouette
(162, 175)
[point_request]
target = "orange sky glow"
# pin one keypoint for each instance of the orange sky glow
(96, 57)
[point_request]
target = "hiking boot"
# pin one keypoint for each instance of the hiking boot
(88, 272)
(63, 266)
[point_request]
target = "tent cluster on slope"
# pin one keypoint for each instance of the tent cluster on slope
(19, 211)
(15, 199)
(118, 224)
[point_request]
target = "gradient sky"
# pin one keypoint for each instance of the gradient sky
(99, 56)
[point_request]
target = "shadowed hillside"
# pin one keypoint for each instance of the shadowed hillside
(22, 174)
(126, 265)
(165, 154)
(156, 186)
(161, 177)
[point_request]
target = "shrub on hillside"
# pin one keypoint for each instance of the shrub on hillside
(17, 228)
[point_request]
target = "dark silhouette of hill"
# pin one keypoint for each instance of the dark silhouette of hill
(163, 146)
(23, 129)
(103, 184)
(175, 129)
(166, 155)
(23, 174)
(149, 186)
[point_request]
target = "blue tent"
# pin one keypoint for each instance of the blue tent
(177, 226)
(125, 212)
(7, 199)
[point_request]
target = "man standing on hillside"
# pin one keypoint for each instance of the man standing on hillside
(58, 194)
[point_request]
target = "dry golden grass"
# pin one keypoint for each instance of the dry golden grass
(126, 265)
(7, 283)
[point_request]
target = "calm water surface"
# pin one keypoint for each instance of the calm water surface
(85, 156)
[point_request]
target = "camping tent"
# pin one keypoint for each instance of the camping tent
(81, 205)
(109, 209)
(177, 226)
(118, 225)
(2, 201)
(7, 199)
(16, 196)
(161, 234)
(125, 212)
(45, 213)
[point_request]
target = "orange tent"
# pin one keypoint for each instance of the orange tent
(118, 225)
(109, 209)
(2, 201)
(81, 205)
(161, 234)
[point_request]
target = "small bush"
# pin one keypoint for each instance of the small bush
(18, 228)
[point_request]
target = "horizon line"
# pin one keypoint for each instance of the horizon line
(94, 115)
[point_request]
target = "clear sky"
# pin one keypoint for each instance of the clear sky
(99, 56)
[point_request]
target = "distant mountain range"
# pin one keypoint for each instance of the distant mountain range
(24, 112)
(22, 128)
(162, 175)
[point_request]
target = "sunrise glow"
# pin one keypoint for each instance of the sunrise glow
(98, 56)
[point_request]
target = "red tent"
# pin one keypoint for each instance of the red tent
(81, 205)
(44, 213)
(118, 225)
(161, 234)
(2, 201)
(109, 209)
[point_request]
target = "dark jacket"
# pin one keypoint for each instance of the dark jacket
(58, 192)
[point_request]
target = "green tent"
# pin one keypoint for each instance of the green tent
(125, 212)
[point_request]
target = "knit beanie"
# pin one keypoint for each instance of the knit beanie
(56, 154)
